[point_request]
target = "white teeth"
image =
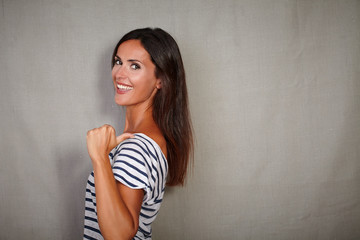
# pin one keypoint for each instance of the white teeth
(122, 87)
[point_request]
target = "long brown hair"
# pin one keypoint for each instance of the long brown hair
(170, 106)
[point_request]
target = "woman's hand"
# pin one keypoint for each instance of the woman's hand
(100, 141)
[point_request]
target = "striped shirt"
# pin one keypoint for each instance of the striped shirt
(137, 163)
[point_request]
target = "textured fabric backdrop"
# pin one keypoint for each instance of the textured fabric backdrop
(275, 100)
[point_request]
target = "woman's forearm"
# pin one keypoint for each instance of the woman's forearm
(114, 218)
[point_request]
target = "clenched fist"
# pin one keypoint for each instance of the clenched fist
(100, 141)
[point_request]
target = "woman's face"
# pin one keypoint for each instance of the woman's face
(134, 75)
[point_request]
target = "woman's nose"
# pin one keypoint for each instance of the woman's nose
(120, 72)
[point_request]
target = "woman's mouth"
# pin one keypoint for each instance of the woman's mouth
(121, 88)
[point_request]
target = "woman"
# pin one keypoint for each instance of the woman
(154, 150)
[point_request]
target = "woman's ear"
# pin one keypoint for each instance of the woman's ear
(158, 84)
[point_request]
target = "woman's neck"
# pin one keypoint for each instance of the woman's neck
(142, 121)
(138, 120)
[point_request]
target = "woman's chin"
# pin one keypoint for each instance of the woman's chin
(119, 101)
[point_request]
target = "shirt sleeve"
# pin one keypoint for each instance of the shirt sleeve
(133, 166)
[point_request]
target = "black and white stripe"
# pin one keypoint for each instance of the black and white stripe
(139, 164)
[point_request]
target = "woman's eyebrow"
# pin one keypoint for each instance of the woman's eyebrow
(129, 60)
(134, 60)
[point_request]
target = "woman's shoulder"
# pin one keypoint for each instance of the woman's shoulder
(158, 138)
(140, 143)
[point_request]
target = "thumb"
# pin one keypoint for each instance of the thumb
(123, 137)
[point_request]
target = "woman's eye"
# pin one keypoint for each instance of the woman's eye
(135, 66)
(118, 62)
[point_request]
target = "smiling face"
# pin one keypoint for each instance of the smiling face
(134, 75)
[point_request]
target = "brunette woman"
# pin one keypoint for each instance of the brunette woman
(155, 148)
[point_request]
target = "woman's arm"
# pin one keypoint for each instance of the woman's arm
(118, 206)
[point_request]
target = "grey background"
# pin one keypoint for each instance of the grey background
(274, 89)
